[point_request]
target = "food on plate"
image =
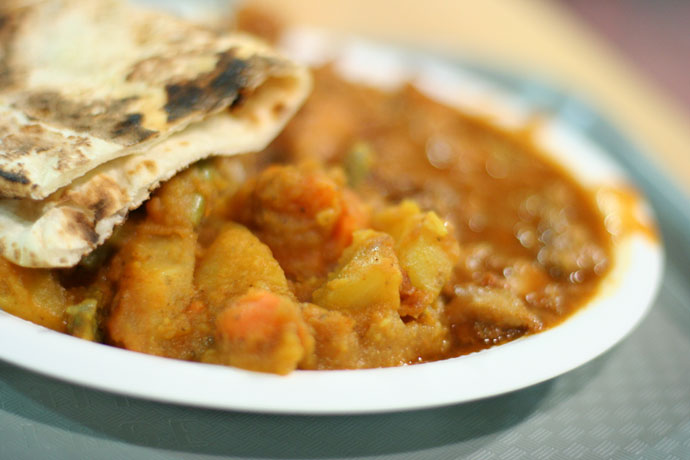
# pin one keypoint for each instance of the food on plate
(101, 101)
(380, 228)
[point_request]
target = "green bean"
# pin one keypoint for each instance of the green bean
(358, 162)
(206, 169)
(81, 319)
(96, 258)
(197, 209)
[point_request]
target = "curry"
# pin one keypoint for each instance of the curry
(379, 229)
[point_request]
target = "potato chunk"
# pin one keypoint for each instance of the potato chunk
(149, 311)
(154, 309)
(494, 306)
(368, 275)
(235, 262)
(33, 294)
(426, 248)
(261, 331)
(336, 342)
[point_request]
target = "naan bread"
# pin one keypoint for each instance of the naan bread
(83, 82)
(80, 149)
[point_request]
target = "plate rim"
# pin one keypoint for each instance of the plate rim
(371, 387)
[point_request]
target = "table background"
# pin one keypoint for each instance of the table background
(651, 35)
(633, 402)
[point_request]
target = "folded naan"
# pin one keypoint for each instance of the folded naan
(101, 101)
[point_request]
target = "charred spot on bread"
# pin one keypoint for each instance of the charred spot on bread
(106, 119)
(17, 178)
(131, 127)
(219, 87)
(79, 225)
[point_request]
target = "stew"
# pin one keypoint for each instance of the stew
(379, 229)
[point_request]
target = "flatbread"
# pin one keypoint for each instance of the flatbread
(83, 82)
(81, 183)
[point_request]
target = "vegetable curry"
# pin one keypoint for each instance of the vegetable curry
(379, 229)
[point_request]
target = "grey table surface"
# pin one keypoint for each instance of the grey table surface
(632, 402)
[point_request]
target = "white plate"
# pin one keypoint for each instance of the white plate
(626, 296)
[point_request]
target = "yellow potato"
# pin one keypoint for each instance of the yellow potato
(367, 275)
(149, 312)
(425, 247)
(32, 294)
